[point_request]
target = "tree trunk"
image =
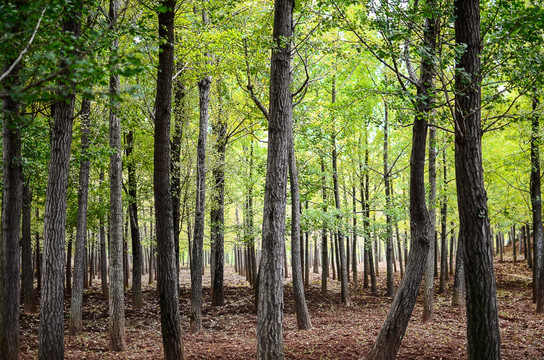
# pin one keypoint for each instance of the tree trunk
(354, 245)
(137, 260)
(301, 309)
(343, 270)
(75, 326)
(270, 288)
(69, 265)
(365, 198)
(388, 342)
(388, 222)
(444, 276)
(217, 213)
(51, 332)
(116, 276)
(12, 191)
(27, 278)
(483, 340)
(200, 212)
(324, 242)
(167, 281)
(103, 253)
(458, 297)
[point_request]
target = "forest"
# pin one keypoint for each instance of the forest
(270, 179)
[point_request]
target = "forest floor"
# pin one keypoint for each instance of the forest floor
(339, 332)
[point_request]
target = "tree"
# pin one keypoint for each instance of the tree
(76, 301)
(51, 344)
(270, 287)
(483, 340)
(167, 282)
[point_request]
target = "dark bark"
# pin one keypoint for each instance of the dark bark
(452, 244)
(217, 213)
(103, 253)
(27, 278)
(444, 276)
(324, 243)
(116, 276)
(354, 246)
(301, 308)
(483, 340)
(388, 221)
(137, 260)
(536, 202)
(12, 191)
(167, 270)
(388, 342)
(75, 326)
(365, 198)
(343, 269)
(51, 332)
(69, 265)
(270, 287)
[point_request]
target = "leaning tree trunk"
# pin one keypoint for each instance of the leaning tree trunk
(116, 276)
(51, 332)
(483, 340)
(301, 308)
(137, 259)
(75, 326)
(29, 296)
(12, 191)
(394, 327)
(270, 281)
(167, 281)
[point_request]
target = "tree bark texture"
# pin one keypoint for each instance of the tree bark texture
(167, 270)
(301, 308)
(137, 259)
(388, 221)
(51, 332)
(536, 203)
(12, 192)
(27, 277)
(483, 340)
(459, 289)
(103, 253)
(75, 326)
(270, 288)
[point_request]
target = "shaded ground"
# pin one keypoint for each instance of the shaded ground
(339, 332)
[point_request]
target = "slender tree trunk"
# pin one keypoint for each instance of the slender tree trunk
(75, 326)
(343, 270)
(137, 259)
(217, 213)
(69, 265)
(324, 243)
(444, 276)
(103, 253)
(301, 309)
(12, 192)
(51, 332)
(270, 287)
(365, 197)
(389, 226)
(452, 244)
(354, 246)
(388, 342)
(483, 340)
(27, 278)
(167, 281)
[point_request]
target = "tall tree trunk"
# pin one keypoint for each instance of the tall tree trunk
(51, 332)
(137, 259)
(27, 278)
(343, 270)
(388, 342)
(324, 243)
(217, 213)
(12, 191)
(388, 222)
(200, 212)
(354, 246)
(270, 288)
(103, 253)
(483, 340)
(365, 197)
(444, 276)
(116, 276)
(69, 265)
(536, 203)
(301, 309)
(428, 285)
(167, 281)
(75, 326)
